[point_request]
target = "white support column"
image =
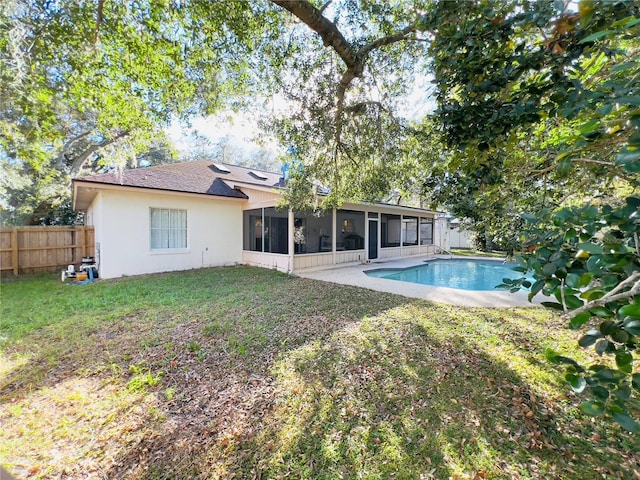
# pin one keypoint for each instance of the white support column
(263, 230)
(290, 240)
(334, 232)
(379, 222)
(366, 234)
(401, 233)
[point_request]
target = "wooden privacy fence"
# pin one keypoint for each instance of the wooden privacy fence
(43, 249)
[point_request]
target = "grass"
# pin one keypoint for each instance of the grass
(467, 252)
(248, 373)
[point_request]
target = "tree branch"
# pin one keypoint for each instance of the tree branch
(353, 59)
(61, 158)
(576, 160)
(73, 140)
(388, 40)
(328, 31)
(360, 106)
(347, 152)
(98, 21)
(324, 7)
(78, 162)
(564, 300)
(611, 296)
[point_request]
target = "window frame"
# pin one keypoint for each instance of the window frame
(165, 232)
(387, 220)
(407, 221)
(426, 221)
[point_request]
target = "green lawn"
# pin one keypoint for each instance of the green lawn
(248, 373)
(467, 252)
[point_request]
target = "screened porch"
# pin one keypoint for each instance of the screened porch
(289, 241)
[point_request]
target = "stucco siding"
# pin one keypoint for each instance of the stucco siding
(214, 233)
(93, 218)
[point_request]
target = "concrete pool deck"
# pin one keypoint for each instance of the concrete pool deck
(353, 274)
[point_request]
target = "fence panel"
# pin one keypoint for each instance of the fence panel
(44, 248)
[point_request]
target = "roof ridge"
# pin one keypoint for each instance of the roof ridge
(176, 166)
(247, 168)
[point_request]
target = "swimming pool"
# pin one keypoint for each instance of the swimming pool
(467, 274)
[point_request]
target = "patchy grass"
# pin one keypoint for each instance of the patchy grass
(248, 373)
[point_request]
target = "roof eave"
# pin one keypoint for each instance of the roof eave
(95, 185)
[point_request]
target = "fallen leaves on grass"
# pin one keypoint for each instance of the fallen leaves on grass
(278, 377)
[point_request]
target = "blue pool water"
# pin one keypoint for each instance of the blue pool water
(461, 274)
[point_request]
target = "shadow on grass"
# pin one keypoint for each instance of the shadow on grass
(387, 399)
(210, 336)
(268, 376)
(397, 394)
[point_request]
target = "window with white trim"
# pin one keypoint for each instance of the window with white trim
(168, 228)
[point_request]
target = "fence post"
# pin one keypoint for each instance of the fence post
(14, 250)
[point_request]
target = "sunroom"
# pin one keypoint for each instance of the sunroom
(291, 241)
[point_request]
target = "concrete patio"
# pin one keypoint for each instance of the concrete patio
(354, 274)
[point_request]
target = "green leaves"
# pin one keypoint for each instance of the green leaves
(593, 408)
(630, 310)
(577, 382)
(595, 36)
(580, 319)
(81, 97)
(602, 346)
(574, 280)
(590, 338)
(626, 422)
(549, 269)
(629, 159)
(623, 360)
(590, 248)
(597, 408)
(632, 326)
(592, 276)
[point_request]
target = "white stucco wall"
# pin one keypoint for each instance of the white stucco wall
(122, 226)
(93, 218)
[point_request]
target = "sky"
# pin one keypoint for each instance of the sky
(240, 128)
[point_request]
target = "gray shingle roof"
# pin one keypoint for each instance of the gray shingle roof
(203, 177)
